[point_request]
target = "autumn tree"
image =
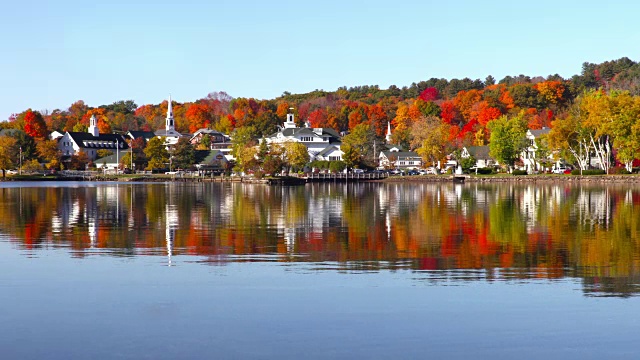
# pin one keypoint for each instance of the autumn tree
(243, 143)
(430, 139)
(361, 139)
(49, 153)
(296, 155)
(571, 138)
(34, 125)
(156, 153)
(78, 161)
(7, 153)
(198, 117)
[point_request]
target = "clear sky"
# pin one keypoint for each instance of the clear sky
(57, 52)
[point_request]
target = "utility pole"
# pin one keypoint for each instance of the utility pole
(20, 160)
(117, 156)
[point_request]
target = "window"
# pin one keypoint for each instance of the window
(306, 138)
(334, 158)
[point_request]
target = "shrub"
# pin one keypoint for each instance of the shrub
(485, 171)
(588, 172)
(618, 170)
(519, 172)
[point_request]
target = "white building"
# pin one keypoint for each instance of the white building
(169, 132)
(72, 143)
(321, 143)
(400, 159)
(530, 154)
(481, 154)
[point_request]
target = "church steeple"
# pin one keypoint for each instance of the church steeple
(93, 126)
(169, 122)
(388, 137)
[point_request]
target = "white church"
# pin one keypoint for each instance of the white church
(169, 133)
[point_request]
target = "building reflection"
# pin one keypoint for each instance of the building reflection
(503, 231)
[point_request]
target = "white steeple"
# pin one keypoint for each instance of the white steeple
(93, 126)
(290, 123)
(169, 122)
(388, 137)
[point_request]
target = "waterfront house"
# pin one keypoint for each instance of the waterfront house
(481, 154)
(530, 155)
(73, 143)
(394, 159)
(211, 160)
(321, 143)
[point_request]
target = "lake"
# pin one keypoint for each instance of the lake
(363, 270)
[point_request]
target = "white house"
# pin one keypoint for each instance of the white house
(400, 159)
(146, 135)
(321, 143)
(528, 155)
(218, 140)
(72, 143)
(481, 154)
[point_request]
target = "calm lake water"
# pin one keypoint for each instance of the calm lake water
(323, 271)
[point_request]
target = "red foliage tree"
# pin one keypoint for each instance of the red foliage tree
(429, 94)
(34, 125)
(449, 112)
(318, 118)
(198, 116)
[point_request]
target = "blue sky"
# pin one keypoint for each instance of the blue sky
(54, 53)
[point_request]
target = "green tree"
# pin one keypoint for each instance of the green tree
(205, 144)
(350, 155)
(337, 166)
(242, 137)
(626, 129)
(296, 155)
(184, 155)
(156, 153)
(359, 142)
(507, 138)
(26, 143)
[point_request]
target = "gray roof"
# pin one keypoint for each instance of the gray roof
(142, 134)
(309, 131)
(391, 146)
(400, 154)
(209, 157)
(112, 159)
(327, 150)
(479, 152)
(10, 132)
(537, 133)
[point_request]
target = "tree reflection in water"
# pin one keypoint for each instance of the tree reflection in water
(443, 232)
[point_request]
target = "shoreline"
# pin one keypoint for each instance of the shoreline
(629, 178)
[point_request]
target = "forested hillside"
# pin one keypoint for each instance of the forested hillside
(463, 106)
